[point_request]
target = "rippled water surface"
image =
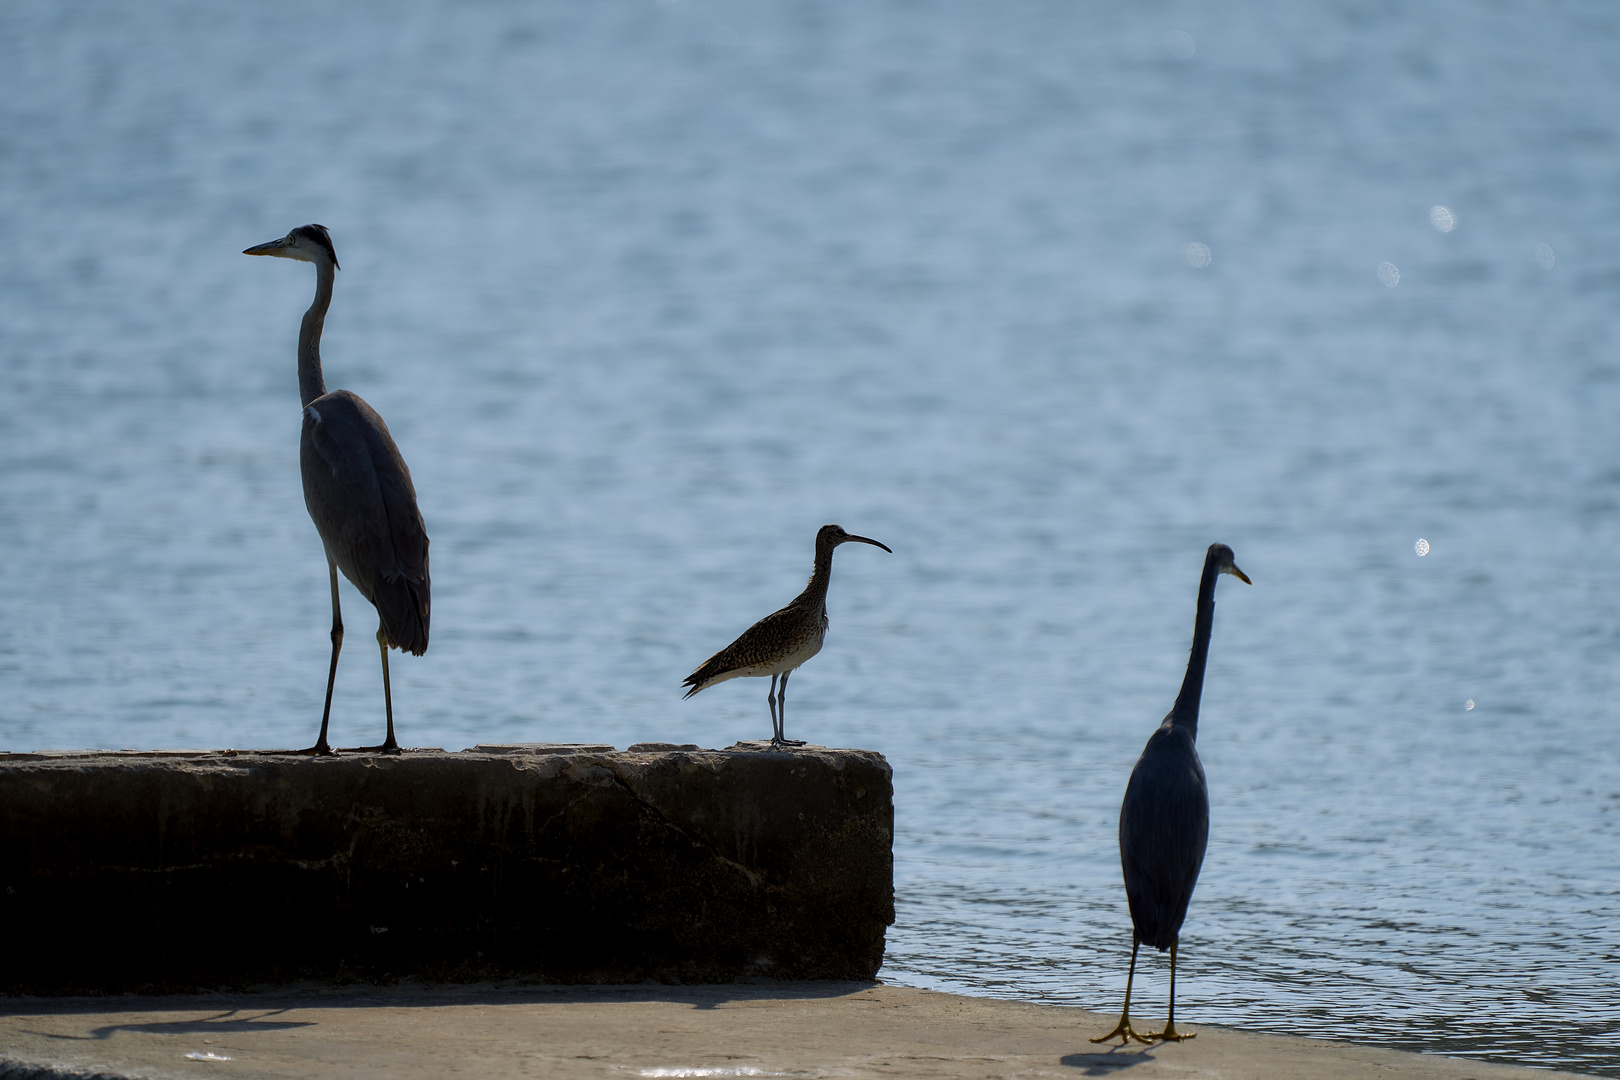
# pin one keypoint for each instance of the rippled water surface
(1045, 294)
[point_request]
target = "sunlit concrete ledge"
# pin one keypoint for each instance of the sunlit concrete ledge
(757, 1028)
(179, 870)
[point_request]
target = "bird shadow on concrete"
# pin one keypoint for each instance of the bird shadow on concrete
(697, 995)
(227, 1021)
(1107, 1064)
(273, 1001)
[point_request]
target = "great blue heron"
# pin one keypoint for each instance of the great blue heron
(1164, 820)
(782, 640)
(358, 491)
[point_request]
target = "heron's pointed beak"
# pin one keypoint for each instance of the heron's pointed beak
(274, 247)
(1241, 576)
(869, 540)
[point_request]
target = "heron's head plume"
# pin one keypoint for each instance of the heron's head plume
(307, 243)
(833, 535)
(1225, 562)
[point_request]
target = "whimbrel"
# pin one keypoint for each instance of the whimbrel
(782, 640)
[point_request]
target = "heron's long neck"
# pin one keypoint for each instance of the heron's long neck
(311, 384)
(1185, 713)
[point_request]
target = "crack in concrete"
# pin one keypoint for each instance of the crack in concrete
(563, 813)
(254, 858)
(755, 878)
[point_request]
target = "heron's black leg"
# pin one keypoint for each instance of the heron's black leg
(1123, 1028)
(321, 745)
(389, 746)
(781, 712)
(1169, 1033)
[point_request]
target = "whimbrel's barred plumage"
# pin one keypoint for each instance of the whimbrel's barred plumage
(782, 640)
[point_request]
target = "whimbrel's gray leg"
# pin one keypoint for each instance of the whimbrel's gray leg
(776, 725)
(781, 712)
(321, 745)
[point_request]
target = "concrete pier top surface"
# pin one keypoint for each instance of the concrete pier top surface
(173, 871)
(761, 1029)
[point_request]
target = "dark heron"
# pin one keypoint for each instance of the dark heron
(1164, 821)
(358, 491)
(782, 640)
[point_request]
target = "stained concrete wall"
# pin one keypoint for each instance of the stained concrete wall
(188, 869)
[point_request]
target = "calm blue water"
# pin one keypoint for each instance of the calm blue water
(649, 291)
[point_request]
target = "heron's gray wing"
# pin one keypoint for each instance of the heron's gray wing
(1163, 830)
(359, 493)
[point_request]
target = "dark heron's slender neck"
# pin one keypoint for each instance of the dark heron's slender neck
(311, 384)
(1185, 713)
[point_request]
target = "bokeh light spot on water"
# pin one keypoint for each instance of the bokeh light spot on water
(1442, 218)
(1197, 255)
(1389, 274)
(1544, 256)
(1470, 706)
(1421, 547)
(1180, 44)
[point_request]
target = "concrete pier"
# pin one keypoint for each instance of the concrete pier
(181, 870)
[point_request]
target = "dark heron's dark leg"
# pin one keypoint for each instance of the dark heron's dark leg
(1169, 1033)
(389, 746)
(781, 712)
(1123, 1028)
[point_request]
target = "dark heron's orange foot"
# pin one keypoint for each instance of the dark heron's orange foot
(1124, 1033)
(1170, 1034)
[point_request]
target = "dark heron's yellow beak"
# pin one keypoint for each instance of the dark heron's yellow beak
(869, 540)
(1240, 575)
(271, 248)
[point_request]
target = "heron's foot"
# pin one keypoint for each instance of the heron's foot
(1124, 1033)
(320, 749)
(1170, 1034)
(777, 744)
(385, 748)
